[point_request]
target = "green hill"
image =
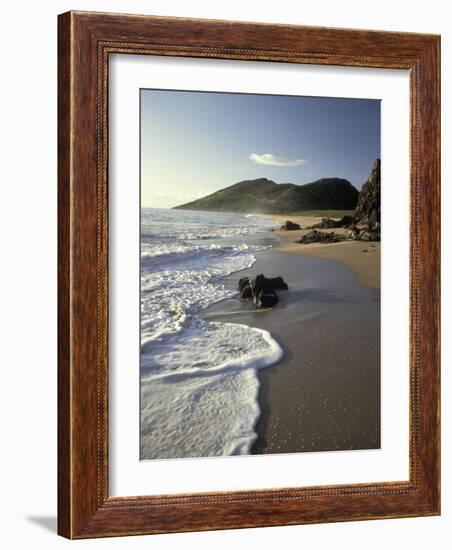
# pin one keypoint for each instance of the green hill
(263, 196)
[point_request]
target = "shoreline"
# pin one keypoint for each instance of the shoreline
(363, 258)
(324, 392)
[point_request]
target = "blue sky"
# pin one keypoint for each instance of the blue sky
(194, 143)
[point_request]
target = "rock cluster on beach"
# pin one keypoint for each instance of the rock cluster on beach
(261, 290)
(364, 225)
(315, 236)
(290, 226)
(352, 233)
(363, 234)
(329, 223)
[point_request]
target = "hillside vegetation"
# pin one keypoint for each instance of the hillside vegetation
(263, 196)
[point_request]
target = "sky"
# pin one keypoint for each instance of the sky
(195, 143)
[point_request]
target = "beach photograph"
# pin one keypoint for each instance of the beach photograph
(260, 242)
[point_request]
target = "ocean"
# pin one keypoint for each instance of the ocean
(199, 383)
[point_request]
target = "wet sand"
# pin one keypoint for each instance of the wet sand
(325, 392)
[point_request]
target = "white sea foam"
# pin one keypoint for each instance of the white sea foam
(171, 293)
(201, 400)
(198, 379)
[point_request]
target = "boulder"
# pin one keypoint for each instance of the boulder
(278, 283)
(316, 236)
(329, 223)
(263, 283)
(261, 289)
(362, 234)
(367, 236)
(352, 233)
(266, 299)
(246, 292)
(244, 281)
(290, 226)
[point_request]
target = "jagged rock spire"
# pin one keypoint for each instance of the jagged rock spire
(368, 209)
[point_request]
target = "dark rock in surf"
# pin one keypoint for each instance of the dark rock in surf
(261, 289)
(266, 299)
(243, 286)
(246, 292)
(278, 283)
(266, 284)
(244, 281)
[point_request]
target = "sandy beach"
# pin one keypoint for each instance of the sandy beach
(325, 392)
(361, 257)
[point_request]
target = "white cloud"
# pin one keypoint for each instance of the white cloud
(274, 160)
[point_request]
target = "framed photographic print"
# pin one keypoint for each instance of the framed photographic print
(248, 275)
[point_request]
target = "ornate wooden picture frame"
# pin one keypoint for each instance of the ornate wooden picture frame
(86, 40)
